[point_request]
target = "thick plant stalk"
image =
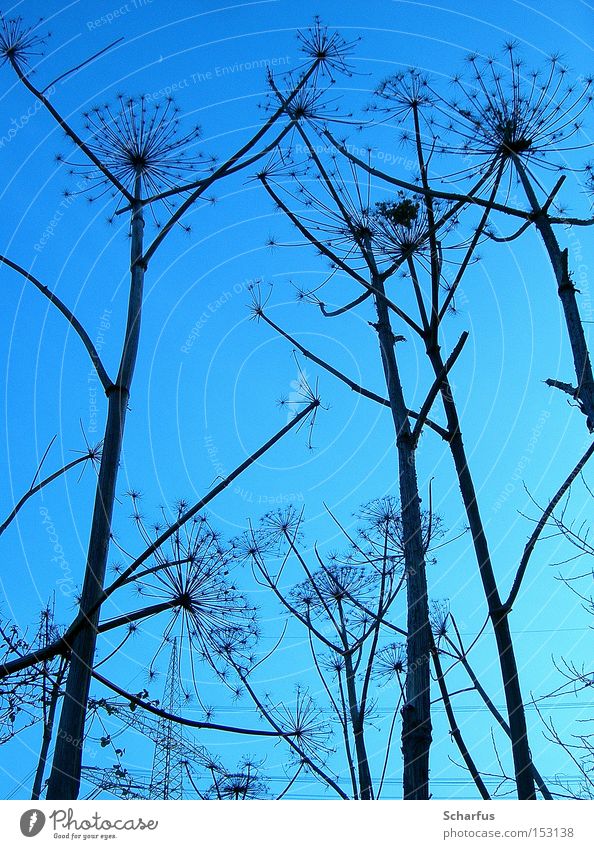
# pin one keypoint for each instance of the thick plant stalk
(497, 613)
(61, 645)
(416, 712)
(584, 390)
(48, 730)
(461, 656)
(64, 782)
(454, 730)
(365, 784)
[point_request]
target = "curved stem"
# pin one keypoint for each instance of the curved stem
(64, 779)
(70, 317)
(35, 489)
(567, 296)
(454, 730)
(181, 720)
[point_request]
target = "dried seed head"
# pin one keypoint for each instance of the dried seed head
(20, 44)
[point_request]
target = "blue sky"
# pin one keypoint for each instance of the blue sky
(208, 377)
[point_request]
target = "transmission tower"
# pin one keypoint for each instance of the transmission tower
(172, 752)
(167, 775)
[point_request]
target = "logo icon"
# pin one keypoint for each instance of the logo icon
(32, 822)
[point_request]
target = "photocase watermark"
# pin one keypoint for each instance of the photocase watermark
(581, 275)
(217, 72)
(92, 379)
(117, 13)
(32, 822)
(212, 308)
(523, 462)
(17, 124)
(384, 156)
(53, 224)
(65, 583)
(65, 825)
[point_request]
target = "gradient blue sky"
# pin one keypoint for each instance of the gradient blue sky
(225, 385)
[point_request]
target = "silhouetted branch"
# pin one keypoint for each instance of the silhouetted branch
(70, 317)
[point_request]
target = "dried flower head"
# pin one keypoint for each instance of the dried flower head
(404, 92)
(20, 44)
(402, 227)
(236, 786)
(140, 145)
(312, 103)
(326, 47)
(505, 111)
(305, 723)
(390, 662)
(189, 581)
(439, 618)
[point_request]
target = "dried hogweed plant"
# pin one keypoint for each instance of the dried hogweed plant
(141, 156)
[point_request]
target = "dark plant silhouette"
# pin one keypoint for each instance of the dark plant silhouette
(346, 604)
(142, 157)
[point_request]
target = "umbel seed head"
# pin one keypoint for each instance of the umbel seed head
(20, 44)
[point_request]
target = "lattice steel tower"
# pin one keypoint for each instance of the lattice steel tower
(173, 755)
(167, 777)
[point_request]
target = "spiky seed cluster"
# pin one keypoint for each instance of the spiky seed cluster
(328, 48)
(210, 617)
(137, 140)
(305, 722)
(401, 227)
(390, 662)
(237, 786)
(439, 618)
(382, 530)
(381, 526)
(354, 227)
(312, 103)
(504, 110)
(334, 227)
(20, 44)
(342, 583)
(404, 92)
(277, 530)
(334, 663)
(338, 585)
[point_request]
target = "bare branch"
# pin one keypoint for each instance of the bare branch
(182, 720)
(436, 386)
(70, 317)
(35, 489)
(81, 65)
(71, 133)
(62, 646)
(361, 390)
(546, 514)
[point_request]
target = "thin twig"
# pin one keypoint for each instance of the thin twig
(69, 316)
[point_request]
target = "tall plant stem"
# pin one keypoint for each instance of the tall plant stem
(497, 613)
(584, 391)
(365, 785)
(454, 730)
(64, 782)
(460, 655)
(416, 712)
(48, 730)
